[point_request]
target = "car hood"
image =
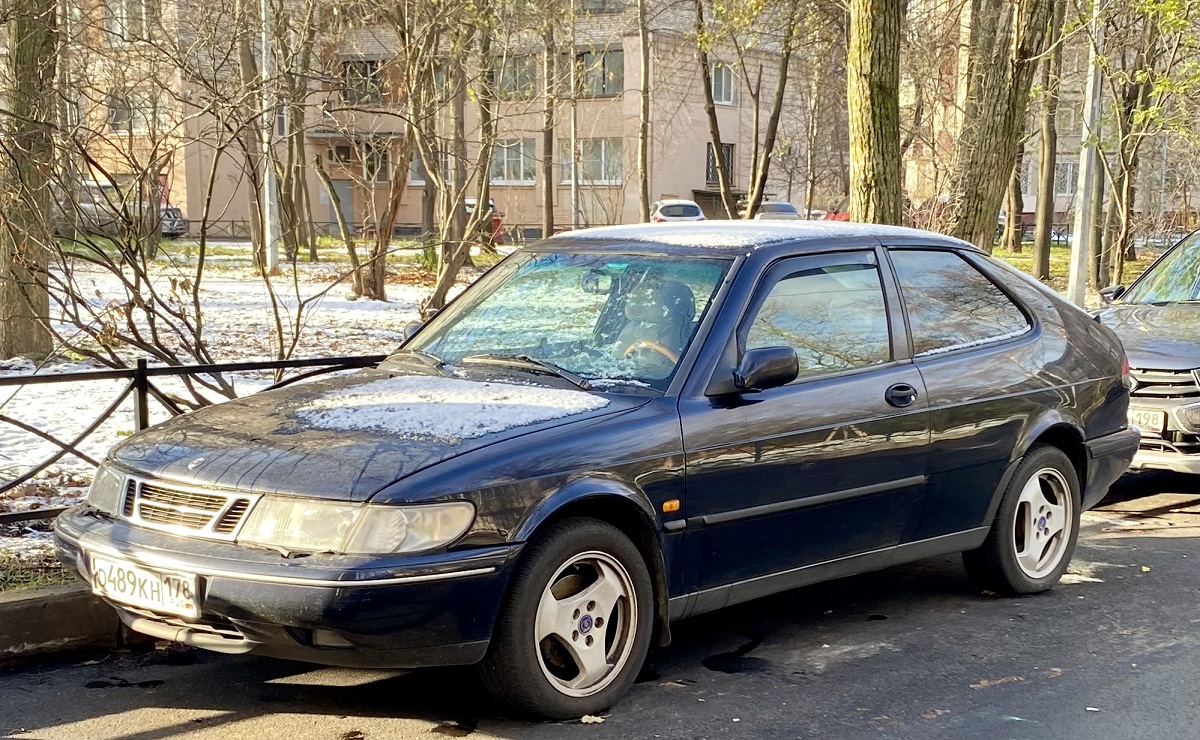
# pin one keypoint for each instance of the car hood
(350, 436)
(1157, 337)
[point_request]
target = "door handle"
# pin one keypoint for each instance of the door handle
(900, 395)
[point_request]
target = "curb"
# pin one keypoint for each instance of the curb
(53, 619)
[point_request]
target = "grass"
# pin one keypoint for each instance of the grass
(26, 575)
(1060, 258)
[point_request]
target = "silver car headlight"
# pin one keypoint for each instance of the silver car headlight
(333, 526)
(105, 492)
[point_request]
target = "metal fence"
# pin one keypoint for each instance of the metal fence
(142, 387)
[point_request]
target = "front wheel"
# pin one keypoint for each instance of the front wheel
(1033, 535)
(576, 627)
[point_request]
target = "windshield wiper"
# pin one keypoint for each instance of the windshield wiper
(530, 363)
(432, 361)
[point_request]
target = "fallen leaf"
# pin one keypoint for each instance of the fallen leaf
(987, 682)
(1145, 568)
(352, 735)
(591, 719)
(934, 713)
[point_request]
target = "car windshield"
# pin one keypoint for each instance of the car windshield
(680, 210)
(617, 321)
(777, 208)
(1174, 279)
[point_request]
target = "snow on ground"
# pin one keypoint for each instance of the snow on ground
(417, 406)
(239, 326)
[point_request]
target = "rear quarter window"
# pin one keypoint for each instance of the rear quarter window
(951, 305)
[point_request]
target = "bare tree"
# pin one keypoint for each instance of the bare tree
(873, 83)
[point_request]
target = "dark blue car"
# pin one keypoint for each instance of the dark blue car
(614, 429)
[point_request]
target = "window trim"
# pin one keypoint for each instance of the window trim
(712, 81)
(564, 164)
(973, 260)
(515, 144)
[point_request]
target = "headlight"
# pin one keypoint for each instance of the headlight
(105, 493)
(1188, 417)
(329, 526)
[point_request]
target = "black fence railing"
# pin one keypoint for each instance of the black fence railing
(142, 387)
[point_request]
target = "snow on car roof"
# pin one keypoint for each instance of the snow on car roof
(742, 234)
(443, 408)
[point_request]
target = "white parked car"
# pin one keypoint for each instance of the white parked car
(777, 212)
(675, 210)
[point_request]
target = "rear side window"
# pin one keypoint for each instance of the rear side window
(680, 210)
(951, 305)
(777, 208)
(833, 315)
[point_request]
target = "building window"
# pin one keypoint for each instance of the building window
(135, 112)
(600, 161)
(601, 6)
(1066, 176)
(281, 121)
(600, 73)
(710, 165)
(416, 168)
(513, 162)
(515, 77)
(130, 20)
(362, 81)
(376, 161)
(722, 84)
(341, 153)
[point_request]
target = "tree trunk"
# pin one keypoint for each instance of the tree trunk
(996, 101)
(872, 97)
(1048, 148)
(26, 236)
(454, 248)
(356, 275)
(763, 167)
(710, 109)
(643, 152)
(1096, 258)
(1014, 227)
(549, 80)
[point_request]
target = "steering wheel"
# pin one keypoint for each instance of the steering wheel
(651, 345)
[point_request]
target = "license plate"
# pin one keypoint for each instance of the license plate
(1154, 422)
(137, 585)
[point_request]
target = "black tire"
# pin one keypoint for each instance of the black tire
(517, 668)
(1002, 564)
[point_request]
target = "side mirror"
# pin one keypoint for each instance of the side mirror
(410, 329)
(766, 367)
(1112, 293)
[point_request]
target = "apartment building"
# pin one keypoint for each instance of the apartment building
(160, 104)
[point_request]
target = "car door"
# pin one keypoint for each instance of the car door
(979, 358)
(827, 466)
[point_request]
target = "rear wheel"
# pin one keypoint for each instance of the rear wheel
(1033, 535)
(575, 629)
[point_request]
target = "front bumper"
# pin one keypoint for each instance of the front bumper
(388, 611)
(1166, 458)
(1108, 458)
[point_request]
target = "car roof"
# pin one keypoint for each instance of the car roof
(742, 236)
(675, 202)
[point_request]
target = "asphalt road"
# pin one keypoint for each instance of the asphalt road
(912, 652)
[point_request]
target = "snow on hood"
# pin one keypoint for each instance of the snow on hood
(443, 408)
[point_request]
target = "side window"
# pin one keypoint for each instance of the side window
(952, 305)
(833, 315)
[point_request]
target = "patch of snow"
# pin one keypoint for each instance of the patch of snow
(443, 408)
(977, 343)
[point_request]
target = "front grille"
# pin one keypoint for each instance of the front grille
(1164, 384)
(184, 509)
(1175, 442)
(202, 501)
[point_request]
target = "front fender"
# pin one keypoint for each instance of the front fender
(586, 490)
